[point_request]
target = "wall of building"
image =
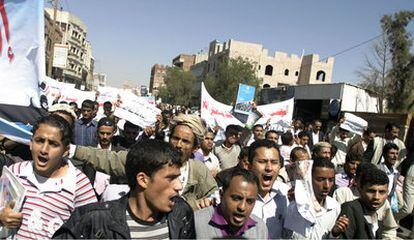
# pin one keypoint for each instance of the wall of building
(74, 35)
(278, 69)
(158, 73)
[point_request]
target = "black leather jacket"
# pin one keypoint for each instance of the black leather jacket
(108, 221)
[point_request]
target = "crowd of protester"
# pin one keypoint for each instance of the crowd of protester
(90, 176)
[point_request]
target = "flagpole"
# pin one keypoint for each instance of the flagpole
(52, 39)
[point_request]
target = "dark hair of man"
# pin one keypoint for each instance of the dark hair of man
(373, 176)
(247, 175)
(295, 151)
(354, 156)
(316, 120)
(387, 147)
(244, 152)
(287, 138)
(106, 121)
(88, 104)
(269, 132)
(148, 157)
(368, 131)
(257, 125)
(73, 104)
(232, 128)
(390, 126)
(263, 143)
(57, 122)
(107, 103)
(322, 163)
(362, 169)
(129, 124)
(303, 134)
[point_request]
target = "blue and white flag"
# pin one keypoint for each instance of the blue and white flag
(22, 59)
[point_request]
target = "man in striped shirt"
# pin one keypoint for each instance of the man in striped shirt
(54, 187)
(153, 208)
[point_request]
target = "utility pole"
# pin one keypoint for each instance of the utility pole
(52, 40)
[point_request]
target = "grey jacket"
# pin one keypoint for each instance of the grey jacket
(205, 230)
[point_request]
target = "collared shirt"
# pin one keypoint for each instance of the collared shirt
(50, 201)
(84, 133)
(273, 209)
(211, 161)
(342, 180)
(323, 223)
(219, 221)
(392, 177)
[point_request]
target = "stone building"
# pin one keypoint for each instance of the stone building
(184, 61)
(57, 34)
(279, 69)
(79, 60)
(158, 73)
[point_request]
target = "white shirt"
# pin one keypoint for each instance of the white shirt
(273, 209)
(324, 221)
(315, 137)
(391, 174)
(211, 161)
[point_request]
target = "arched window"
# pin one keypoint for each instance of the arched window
(297, 73)
(269, 70)
(266, 86)
(286, 72)
(320, 75)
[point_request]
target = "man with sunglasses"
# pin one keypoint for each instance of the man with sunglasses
(229, 150)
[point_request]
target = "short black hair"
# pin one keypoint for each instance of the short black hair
(148, 157)
(373, 176)
(368, 131)
(287, 138)
(303, 134)
(107, 103)
(294, 151)
(269, 132)
(247, 175)
(322, 163)
(390, 126)
(88, 104)
(257, 125)
(106, 121)
(387, 147)
(263, 143)
(353, 156)
(129, 124)
(57, 122)
(73, 104)
(362, 169)
(244, 152)
(232, 128)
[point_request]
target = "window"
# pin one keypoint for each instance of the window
(297, 73)
(266, 86)
(286, 72)
(320, 75)
(269, 70)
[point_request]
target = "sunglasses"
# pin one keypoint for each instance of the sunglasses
(106, 123)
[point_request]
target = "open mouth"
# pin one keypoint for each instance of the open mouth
(42, 161)
(267, 180)
(238, 218)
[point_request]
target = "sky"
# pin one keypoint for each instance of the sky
(129, 36)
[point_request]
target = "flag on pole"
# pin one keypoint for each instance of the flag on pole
(22, 59)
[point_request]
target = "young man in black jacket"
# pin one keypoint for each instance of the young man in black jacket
(152, 209)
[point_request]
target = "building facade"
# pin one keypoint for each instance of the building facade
(279, 69)
(99, 80)
(52, 32)
(184, 61)
(157, 79)
(79, 61)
